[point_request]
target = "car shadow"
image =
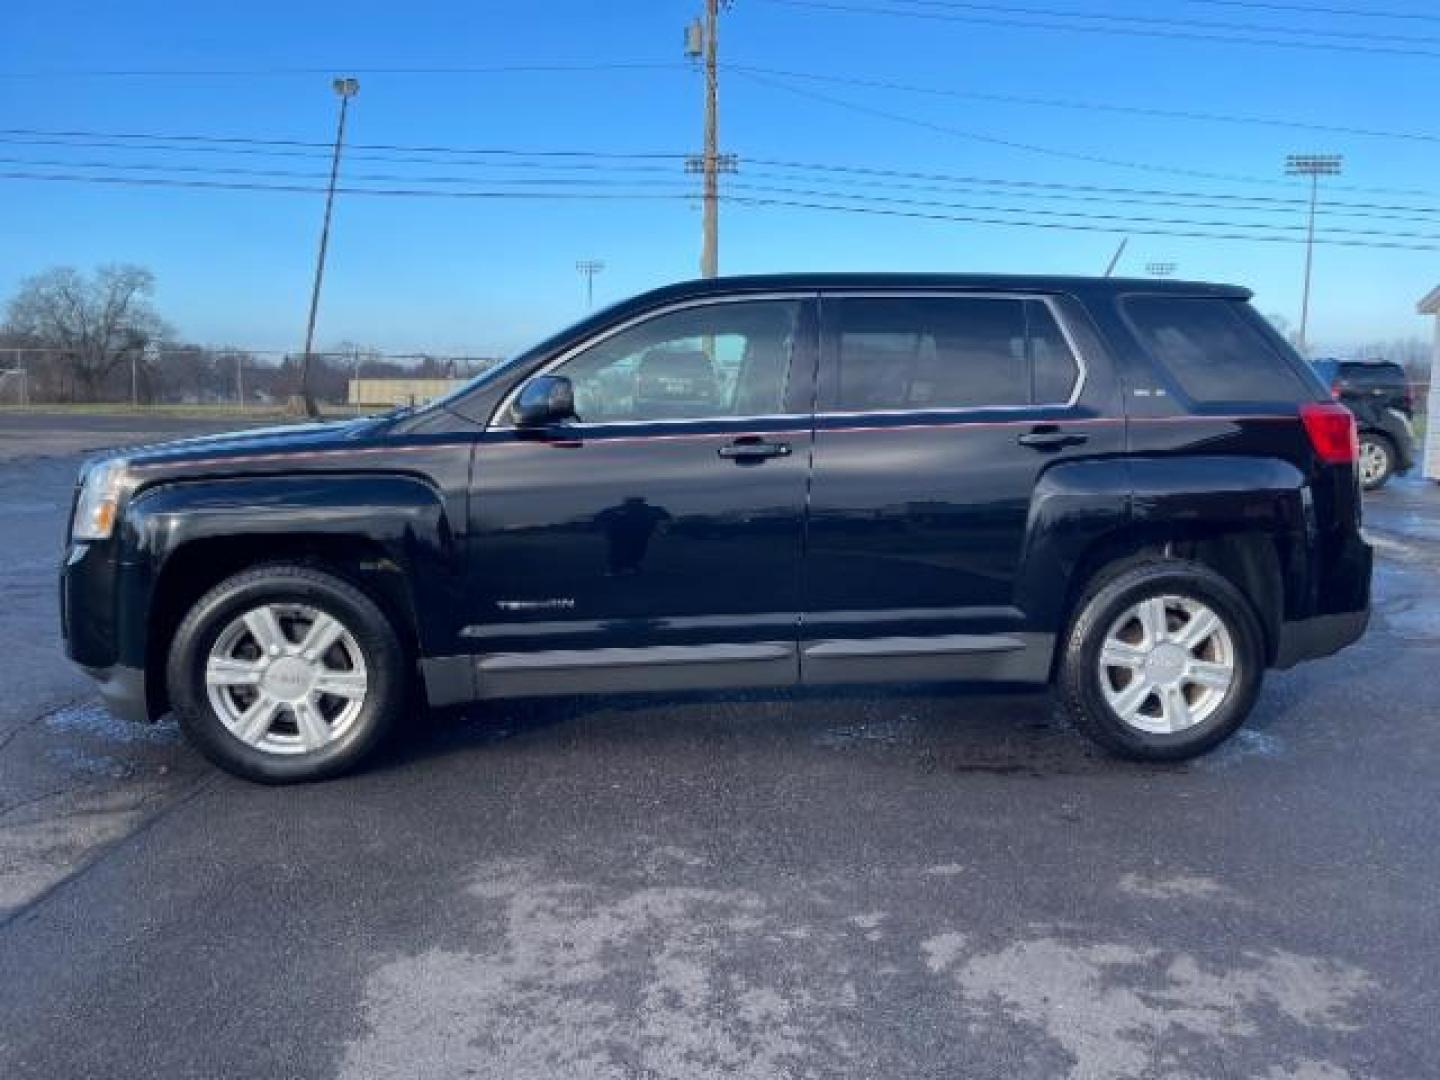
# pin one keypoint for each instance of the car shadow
(932, 728)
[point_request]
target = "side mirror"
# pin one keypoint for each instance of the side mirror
(544, 400)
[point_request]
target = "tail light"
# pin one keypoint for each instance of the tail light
(1331, 428)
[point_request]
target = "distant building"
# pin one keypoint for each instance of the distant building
(1431, 306)
(365, 393)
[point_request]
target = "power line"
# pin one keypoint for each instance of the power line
(1420, 216)
(1089, 106)
(1127, 31)
(1077, 221)
(298, 147)
(296, 175)
(1151, 20)
(512, 162)
(248, 140)
(862, 176)
(1089, 216)
(432, 158)
(1048, 151)
(1306, 9)
(1227, 197)
(257, 72)
(141, 181)
(1071, 226)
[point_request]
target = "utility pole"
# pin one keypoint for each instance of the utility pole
(346, 89)
(1314, 166)
(589, 268)
(1114, 259)
(356, 361)
(240, 380)
(701, 40)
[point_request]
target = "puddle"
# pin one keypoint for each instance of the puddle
(893, 732)
(1244, 744)
(91, 718)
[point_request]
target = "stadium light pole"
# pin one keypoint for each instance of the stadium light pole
(1160, 269)
(1314, 166)
(345, 88)
(589, 268)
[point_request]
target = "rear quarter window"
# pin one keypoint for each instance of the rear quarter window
(1212, 348)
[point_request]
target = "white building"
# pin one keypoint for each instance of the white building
(1431, 306)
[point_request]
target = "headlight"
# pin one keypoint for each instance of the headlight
(99, 501)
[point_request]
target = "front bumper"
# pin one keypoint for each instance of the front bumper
(123, 691)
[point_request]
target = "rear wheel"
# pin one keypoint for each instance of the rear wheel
(1377, 461)
(286, 673)
(1163, 661)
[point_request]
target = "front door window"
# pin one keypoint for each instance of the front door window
(710, 362)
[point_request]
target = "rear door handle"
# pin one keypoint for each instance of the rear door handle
(753, 448)
(1052, 438)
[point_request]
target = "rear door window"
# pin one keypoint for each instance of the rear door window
(923, 353)
(1213, 350)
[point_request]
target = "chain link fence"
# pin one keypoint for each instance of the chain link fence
(193, 376)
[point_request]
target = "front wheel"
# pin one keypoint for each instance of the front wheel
(286, 673)
(1163, 661)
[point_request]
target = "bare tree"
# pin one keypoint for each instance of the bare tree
(94, 323)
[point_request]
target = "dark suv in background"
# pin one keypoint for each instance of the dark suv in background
(1378, 393)
(1134, 491)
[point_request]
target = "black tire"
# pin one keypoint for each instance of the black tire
(1381, 446)
(386, 691)
(1078, 681)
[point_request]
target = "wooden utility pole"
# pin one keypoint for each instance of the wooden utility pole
(345, 89)
(702, 43)
(709, 250)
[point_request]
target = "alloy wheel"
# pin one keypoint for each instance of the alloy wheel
(1374, 462)
(1166, 664)
(286, 678)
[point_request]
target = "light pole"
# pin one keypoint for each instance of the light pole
(346, 88)
(1160, 269)
(1314, 166)
(589, 268)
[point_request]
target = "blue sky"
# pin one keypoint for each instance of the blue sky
(488, 275)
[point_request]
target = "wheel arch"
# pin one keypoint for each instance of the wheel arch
(385, 535)
(1250, 561)
(1250, 519)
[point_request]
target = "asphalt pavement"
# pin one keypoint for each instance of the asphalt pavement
(897, 884)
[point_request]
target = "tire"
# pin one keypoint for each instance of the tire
(1376, 462)
(250, 709)
(1110, 618)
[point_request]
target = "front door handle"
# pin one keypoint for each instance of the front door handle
(1049, 437)
(753, 448)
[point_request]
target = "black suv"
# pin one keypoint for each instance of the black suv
(1134, 491)
(1378, 393)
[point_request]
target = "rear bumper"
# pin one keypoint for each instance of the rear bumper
(1310, 639)
(123, 691)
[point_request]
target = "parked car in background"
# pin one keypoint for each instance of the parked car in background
(1378, 393)
(1133, 491)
